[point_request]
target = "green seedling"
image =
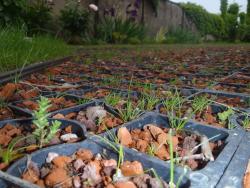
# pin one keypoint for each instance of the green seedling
(130, 111)
(246, 122)
(44, 132)
(150, 102)
(12, 153)
(224, 116)
(170, 142)
(151, 150)
(112, 99)
(200, 103)
(83, 101)
(174, 104)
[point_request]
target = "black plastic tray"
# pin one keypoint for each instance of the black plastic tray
(76, 127)
(28, 111)
(211, 173)
(84, 107)
(96, 147)
(227, 94)
(234, 173)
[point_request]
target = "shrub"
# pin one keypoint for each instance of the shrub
(74, 19)
(11, 12)
(179, 35)
(205, 22)
(37, 16)
(117, 30)
(161, 35)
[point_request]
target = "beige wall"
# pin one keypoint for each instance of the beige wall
(170, 15)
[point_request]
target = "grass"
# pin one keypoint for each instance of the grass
(17, 50)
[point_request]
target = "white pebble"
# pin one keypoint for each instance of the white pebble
(51, 156)
(68, 137)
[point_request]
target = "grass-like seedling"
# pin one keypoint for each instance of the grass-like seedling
(112, 99)
(246, 122)
(200, 103)
(44, 132)
(12, 153)
(174, 103)
(149, 102)
(151, 150)
(130, 112)
(83, 101)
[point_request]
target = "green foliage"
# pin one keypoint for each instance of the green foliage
(112, 99)
(205, 22)
(223, 8)
(200, 103)
(179, 35)
(11, 153)
(232, 26)
(224, 117)
(130, 112)
(44, 132)
(117, 30)
(74, 19)
(37, 16)
(248, 13)
(233, 9)
(246, 122)
(242, 16)
(17, 49)
(161, 35)
(11, 12)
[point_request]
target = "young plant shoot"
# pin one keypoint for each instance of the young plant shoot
(44, 132)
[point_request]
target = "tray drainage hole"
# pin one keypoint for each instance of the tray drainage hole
(198, 178)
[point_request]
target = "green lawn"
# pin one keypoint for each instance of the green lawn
(17, 50)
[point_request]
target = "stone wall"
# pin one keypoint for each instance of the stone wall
(169, 14)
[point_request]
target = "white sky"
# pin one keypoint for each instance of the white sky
(214, 5)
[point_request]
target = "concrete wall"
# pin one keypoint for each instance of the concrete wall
(169, 14)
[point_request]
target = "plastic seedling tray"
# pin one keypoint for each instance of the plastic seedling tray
(211, 173)
(82, 92)
(84, 107)
(77, 129)
(244, 98)
(215, 109)
(234, 173)
(96, 147)
(236, 88)
(15, 106)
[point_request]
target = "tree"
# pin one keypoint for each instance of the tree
(242, 16)
(248, 13)
(232, 21)
(223, 8)
(234, 9)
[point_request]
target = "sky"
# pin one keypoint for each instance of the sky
(213, 6)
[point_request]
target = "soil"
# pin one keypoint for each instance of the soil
(92, 170)
(207, 116)
(232, 89)
(96, 122)
(153, 140)
(57, 103)
(238, 79)
(9, 132)
(97, 94)
(236, 102)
